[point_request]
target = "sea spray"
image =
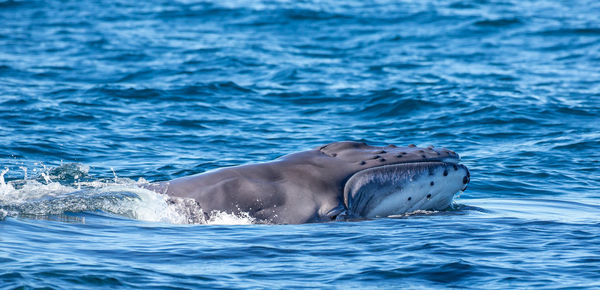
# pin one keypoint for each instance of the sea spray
(60, 190)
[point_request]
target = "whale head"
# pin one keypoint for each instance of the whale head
(341, 180)
(383, 181)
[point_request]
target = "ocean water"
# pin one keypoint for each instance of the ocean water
(97, 97)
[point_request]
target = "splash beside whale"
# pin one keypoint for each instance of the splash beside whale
(341, 180)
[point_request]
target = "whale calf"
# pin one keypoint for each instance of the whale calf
(340, 180)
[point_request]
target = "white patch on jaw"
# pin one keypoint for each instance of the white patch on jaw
(442, 192)
(389, 189)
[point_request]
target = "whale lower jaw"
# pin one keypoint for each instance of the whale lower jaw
(404, 188)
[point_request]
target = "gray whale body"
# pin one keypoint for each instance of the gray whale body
(340, 180)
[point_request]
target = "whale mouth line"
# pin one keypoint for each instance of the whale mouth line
(445, 160)
(442, 161)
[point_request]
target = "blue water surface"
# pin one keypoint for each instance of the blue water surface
(99, 96)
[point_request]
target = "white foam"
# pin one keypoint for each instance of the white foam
(3, 185)
(416, 212)
(223, 218)
(120, 196)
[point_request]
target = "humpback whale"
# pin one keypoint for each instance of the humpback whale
(337, 181)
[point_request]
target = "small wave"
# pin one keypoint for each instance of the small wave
(61, 190)
(126, 93)
(579, 145)
(593, 31)
(389, 103)
(502, 22)
(573, 211)
(12, 4)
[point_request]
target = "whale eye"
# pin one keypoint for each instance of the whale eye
(409, 198)
(429, 196)
(445, 172)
